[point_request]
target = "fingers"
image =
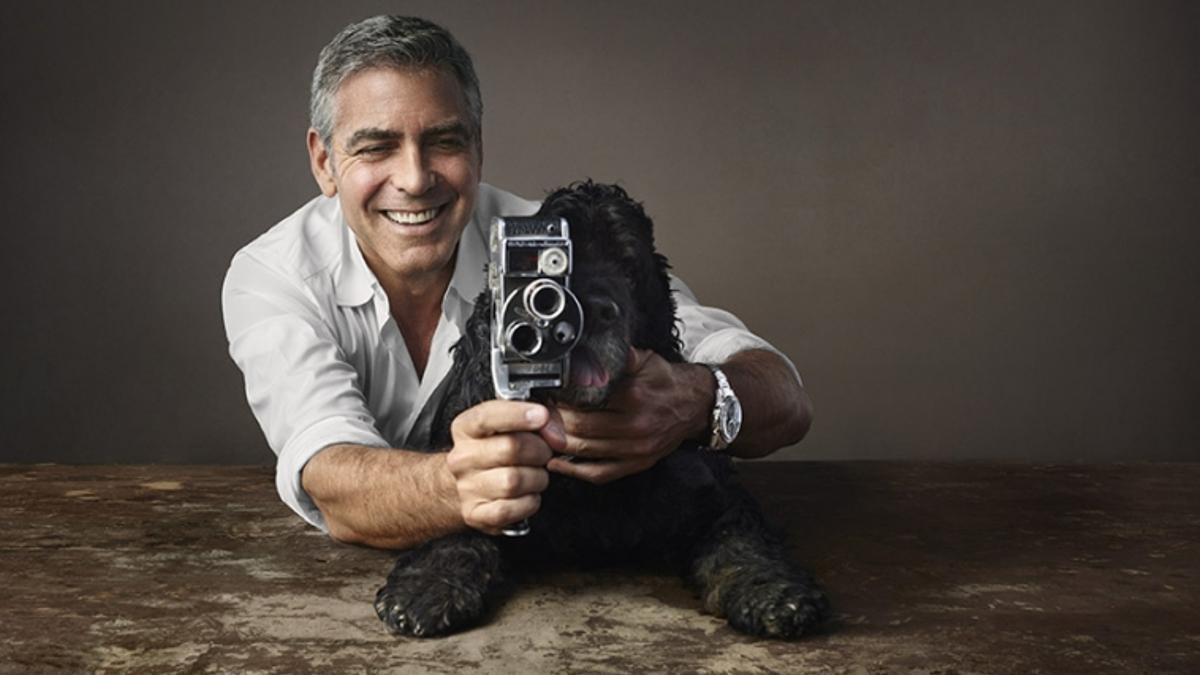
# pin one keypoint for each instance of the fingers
(505, 483)
(499, 417)
(492, 517)
(496, 498)
(635, 408)
(507, 450)
(610, 433)
(607, 448)
(593, 423)
(601, 471)
(554, 433)
(498, 461)
(493, 418)
(637, 359)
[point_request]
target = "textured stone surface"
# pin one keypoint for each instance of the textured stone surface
(932, 568)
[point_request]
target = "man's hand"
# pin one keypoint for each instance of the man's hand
(499, 461)
(662, 404)
(657, 407)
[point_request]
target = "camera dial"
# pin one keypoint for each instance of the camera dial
(564, 332)
(553, 261)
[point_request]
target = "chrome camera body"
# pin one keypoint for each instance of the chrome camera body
(536, 319)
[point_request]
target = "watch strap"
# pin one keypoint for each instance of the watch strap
(716, 439)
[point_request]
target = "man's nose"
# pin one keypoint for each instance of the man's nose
(410, 172)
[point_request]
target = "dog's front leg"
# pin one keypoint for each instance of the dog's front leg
(744, 575)
(440, 587)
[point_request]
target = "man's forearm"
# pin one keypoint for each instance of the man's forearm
(777, 410)
(382, 497)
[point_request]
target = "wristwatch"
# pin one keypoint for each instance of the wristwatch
(727, 413)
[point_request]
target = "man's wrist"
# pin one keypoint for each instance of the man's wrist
(447, 490)
(703, 385)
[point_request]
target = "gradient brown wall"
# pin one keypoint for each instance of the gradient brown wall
(972, 225)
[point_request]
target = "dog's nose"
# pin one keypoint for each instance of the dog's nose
(605, 310)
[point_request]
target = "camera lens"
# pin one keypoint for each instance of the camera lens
(524, 339)
(546, 302)
(544, 299)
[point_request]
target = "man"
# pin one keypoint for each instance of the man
(342, 315)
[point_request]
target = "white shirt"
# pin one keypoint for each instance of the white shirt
(324, 362)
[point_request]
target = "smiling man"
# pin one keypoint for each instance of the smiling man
(404, 162)
(341, 317)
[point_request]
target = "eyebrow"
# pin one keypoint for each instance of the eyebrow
(375, 134)
(447, 129)
(372, 134)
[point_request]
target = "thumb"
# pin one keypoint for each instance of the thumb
(637, 359)
(554, 433)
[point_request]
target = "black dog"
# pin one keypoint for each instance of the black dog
(685, 511)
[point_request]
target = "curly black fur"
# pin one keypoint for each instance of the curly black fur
(686, 511)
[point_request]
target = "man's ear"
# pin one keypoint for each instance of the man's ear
(321, 163)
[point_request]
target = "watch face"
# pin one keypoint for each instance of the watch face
(731, 419)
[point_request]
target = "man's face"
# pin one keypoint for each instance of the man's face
(405, 168)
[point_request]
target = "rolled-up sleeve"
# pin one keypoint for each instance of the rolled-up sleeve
(303, 392)
(712, 335)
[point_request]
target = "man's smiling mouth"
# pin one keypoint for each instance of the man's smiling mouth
(413, 217)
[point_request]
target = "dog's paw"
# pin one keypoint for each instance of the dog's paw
(777, 609)
(428, 607)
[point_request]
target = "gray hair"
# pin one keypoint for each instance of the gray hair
(396, 42)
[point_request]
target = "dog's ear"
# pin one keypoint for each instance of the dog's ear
(658, 330)
(469, 381)
(633, 232)
(610, 223)
(473, 351)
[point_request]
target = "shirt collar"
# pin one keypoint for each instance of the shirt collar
(355, 281)
(469, 268)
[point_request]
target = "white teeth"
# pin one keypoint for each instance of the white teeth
(411, 217)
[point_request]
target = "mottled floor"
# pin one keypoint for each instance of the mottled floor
(933, 568)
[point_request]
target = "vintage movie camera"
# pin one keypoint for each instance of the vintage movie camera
(537, 320)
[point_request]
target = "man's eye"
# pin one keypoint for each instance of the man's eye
(450, 143)
(372, 150)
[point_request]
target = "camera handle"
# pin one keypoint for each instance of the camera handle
(522, 528)
(517, 529)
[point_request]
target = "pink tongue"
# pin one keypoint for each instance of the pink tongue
(586, 374)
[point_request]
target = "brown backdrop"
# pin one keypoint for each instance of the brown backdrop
(972, 225)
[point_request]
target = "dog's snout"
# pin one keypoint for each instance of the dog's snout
(605, 310)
